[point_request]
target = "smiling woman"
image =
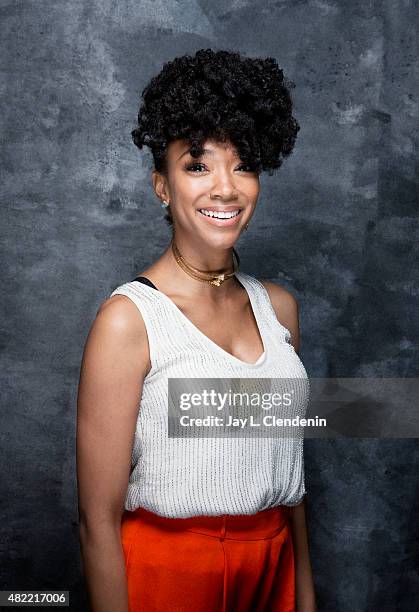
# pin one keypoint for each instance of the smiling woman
(212, 523)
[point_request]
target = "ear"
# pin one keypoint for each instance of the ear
(160, 186)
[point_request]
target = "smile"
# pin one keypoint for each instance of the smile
(220, 214)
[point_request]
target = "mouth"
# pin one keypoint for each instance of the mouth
(221, 217)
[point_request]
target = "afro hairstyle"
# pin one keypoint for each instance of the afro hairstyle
(222, 96)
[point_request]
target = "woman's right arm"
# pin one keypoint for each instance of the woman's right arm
(115, 362)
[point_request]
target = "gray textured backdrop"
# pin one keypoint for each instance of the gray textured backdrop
(336, 225)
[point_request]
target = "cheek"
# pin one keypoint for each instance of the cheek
(189, 189)
(253, 192)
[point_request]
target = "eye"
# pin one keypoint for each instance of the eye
(192, 167)
(247, 168)
(198, 168)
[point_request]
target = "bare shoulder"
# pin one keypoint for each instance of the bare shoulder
(285, 306)
(119, 323)
(119, 314)
(280, 295)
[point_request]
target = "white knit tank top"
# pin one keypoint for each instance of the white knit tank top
(178, 477)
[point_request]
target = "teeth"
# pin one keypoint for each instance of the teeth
(219, 215)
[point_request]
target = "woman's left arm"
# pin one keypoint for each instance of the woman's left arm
(286, 309)
(304, 585)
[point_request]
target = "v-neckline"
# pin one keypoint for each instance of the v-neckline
(249, 290)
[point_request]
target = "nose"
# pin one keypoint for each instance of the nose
(223, 186)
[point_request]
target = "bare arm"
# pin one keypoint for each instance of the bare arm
(286, 310)
(305, 595)
(114, 364)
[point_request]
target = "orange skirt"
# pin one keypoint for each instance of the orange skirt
(222, 563)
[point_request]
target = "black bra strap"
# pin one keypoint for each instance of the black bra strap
(145, 281)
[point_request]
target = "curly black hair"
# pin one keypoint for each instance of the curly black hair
(220, 95)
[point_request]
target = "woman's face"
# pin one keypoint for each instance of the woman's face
(219, 182)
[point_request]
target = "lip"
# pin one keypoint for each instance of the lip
(221, 222)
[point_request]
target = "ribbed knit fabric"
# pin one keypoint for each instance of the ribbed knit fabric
(183, 477)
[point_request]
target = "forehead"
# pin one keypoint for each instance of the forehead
(211, 148)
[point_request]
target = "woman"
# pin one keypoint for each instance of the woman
(212, 524)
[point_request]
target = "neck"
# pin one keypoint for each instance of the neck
(205, 259)
(177, 281)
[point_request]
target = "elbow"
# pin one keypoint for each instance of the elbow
(96, 522)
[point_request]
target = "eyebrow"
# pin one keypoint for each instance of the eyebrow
(204, 152)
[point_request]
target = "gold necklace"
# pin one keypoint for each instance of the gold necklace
(213, 278)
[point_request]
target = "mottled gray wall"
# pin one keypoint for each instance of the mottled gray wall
(336, 225)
